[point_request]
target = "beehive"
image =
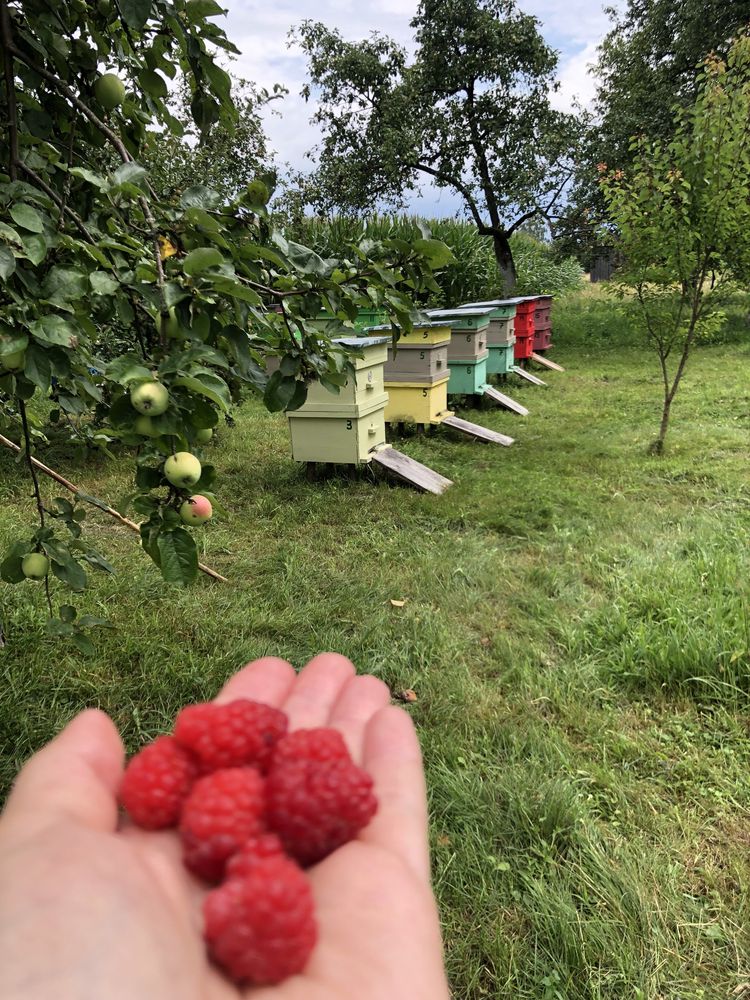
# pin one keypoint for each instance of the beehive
(501, 359)
(432, 359)
(468, 332)
(502, 319)
(344, 428)
(422, 401)
(543, 323)
(468, 376)
(524, 325)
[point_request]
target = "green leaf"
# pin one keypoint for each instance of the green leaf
(153, 83)
(103, 283)
(135, 13)
(35, 247)
(436, 252)
(57, 629)
(199, 196)
(88, 175)
(126, 368)
(66, 569)
(178, 555)
(10, 567)
(202, 259)
(129, 173)
(98, 561)
(279, 392)
(197, 10)
(204, 109)
(11, 342)
(27, 217)
(7, 263)
(83, 643)
(148, 479)
(37, 367)
(299, 397)
(208, 385)
(68, 613)
(55, 330)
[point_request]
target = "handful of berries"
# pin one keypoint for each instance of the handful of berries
(254, 805)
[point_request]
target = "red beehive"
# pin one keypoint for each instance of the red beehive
(542, 323)
(525, 326)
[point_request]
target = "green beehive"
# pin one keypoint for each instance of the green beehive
(365, 318)
(344, 428)
(468, 376)
(501, 358)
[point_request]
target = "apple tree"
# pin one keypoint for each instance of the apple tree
(680, 218)
(136, 319)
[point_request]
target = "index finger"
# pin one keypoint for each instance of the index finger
(393, 757)
(268, 680)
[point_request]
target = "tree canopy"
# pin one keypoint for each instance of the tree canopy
(471, 110)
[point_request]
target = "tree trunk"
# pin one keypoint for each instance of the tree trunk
(505, 262)
(657, 446)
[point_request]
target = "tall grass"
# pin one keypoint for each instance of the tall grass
(474, 275)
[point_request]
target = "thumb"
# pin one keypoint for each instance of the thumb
(73, 779)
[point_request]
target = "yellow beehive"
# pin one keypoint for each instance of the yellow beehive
(417, 402)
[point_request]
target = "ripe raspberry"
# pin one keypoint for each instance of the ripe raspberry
(316, 807)
(310, 744)
(261, 927)
(223, 810)
(252, 852)
(234, 735)
(156, 783)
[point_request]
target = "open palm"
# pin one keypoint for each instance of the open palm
(92, 909)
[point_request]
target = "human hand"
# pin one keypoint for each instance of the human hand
(90, 908)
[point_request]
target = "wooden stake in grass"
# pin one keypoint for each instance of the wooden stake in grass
(96, 503)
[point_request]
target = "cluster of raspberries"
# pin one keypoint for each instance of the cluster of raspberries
(253, 805)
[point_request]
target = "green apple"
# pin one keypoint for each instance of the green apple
(182, 469)
(13, 362)
(204, 435)
(171, 325)
(257, 193)
(144, 426)
(197, 510)
(109, 91)
(150, 398)
(35, 566)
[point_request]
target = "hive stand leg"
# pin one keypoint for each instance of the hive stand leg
(311, 472)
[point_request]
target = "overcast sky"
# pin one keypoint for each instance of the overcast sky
(259, 30)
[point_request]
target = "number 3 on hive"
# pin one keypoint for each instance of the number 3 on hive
(348, 425)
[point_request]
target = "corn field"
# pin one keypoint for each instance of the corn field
(474, 275)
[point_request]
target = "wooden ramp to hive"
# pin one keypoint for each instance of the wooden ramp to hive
(499, 397)
(546, 363)
(475, 431)
(517, 370)
(410, 470)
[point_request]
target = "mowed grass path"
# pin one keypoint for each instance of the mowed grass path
(577, 630)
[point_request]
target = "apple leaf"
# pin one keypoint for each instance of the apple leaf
(202, 259)
(179, 556)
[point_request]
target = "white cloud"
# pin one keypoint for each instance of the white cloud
(576, 81)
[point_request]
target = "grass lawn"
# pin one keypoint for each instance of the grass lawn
(576, 627)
